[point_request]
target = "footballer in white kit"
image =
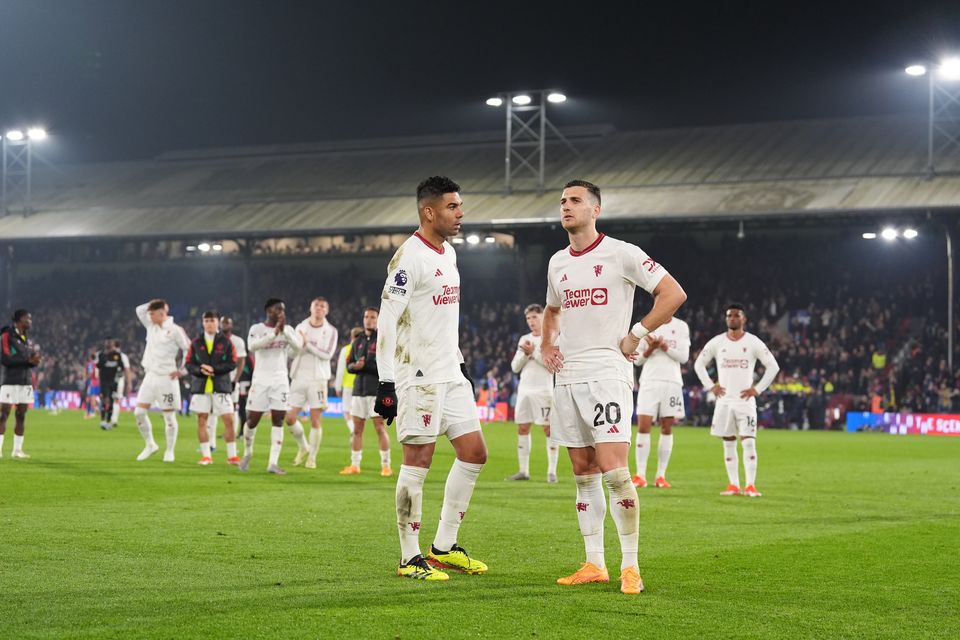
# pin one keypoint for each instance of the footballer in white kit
(161, 380)
(272, 341)
(310, 375)
(660, 396)
(736, 353)
(534, 396)
(590, 289)
(424, 383)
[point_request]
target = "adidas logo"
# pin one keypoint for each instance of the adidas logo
(438, 273)
(564, 278)
(613, 429)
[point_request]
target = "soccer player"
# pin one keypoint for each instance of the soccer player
(113, 368)
(661, 395)
(161, 380)
(736, 353)
(343, 384)
(271, 341)
(363, 364)
(534, 396)
(18, 357)
(211, 361)
(240, 349)
(590, 288)
(310, 374)
(92, 387)
(423, 377)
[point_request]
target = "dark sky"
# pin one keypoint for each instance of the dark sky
(118, 79)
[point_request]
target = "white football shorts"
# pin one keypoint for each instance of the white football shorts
(219, 404)
(425, 412)
(161, 391)
(734, 419)
(268, 397)
(660, 399)
(16, 394)
(587, 413)
(534, 408)
(308, 393)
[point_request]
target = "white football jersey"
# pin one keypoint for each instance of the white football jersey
(313, 361)
(272, 351)
(664, 366)
(534, 376)
(736, 360)
(163, 343)
(238, 346)
(425, 279)
(594, 290)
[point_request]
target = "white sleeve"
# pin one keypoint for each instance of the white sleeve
(143, 315)
(390, 310)
(403, 276)
(124, 360)
(519, 360)
(341, 365)
(241, 349)
(769, 364)
(294, 339)
(257, 341)
(553, 296)
(639, 268)
(700, 366)
(681, 353)
(180, 336)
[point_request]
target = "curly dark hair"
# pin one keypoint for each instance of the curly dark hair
(435, 187)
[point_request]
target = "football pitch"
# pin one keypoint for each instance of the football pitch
(856, 536)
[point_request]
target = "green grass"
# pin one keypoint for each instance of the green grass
(857, 536)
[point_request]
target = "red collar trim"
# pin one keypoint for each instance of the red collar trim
(592, 246)
(439, 249)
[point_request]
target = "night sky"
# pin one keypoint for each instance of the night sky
(124, 79)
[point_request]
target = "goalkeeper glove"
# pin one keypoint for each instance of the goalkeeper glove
(386, 403)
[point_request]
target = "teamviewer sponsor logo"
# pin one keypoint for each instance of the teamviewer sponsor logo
(573, 298)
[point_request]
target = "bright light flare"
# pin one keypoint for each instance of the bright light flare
(15, 135)
(950, 69)
(204, 246)
(910, 234)
(494, 102)
(522, 99)
(489, 239)
(473, 239)
(458, 240)
(556, 97)
(916, 70)
(217, 247)
(889, 234)
(37, 134)
(869, 235)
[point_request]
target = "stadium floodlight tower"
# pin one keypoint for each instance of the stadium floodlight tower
(18, 169)
(943, 106)
(527, 131)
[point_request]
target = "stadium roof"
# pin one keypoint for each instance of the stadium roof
(802, 168)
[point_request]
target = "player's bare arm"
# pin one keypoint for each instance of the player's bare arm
(667, 298)
(552, 358)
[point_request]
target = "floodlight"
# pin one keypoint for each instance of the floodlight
(15, 135)
(37, 134)
(473, 239)
(889, 234)
(489, 239)
(494, 102)
(869, 235)
(556, 97)
(204, 246)
(522, 99)
(191, 248)
(950, 69)
(458, 240)
(217, 247)
(910, 234)
(916, 70)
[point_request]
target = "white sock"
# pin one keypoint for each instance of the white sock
(249, 435)
(625, 510)
(296, 430)
(143, 424)
(276, 444)
(316, 437)
(355, 457)
(1, 443)
(732, 461)
(385, 457)
(17, 443)
(749, 460)
(642, 453)
(350, 425)
(232, 449)
(591, 510)
(205, 449)
(410, 509)
(456, 499)
(553, 454)
(171, 428)
(115, 414)
(523, 453)
(664, 449)
(212, 430)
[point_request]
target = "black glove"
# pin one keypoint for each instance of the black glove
(466, 374)
(386, 404)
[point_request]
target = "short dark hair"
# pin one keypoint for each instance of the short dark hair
(589, 186)
(319, 299)
(533, 308)
(226, 318)
(737, 306)
(156, 304)
(374, 309)
(19, 313)
(209, 314)
(116, 342)
(435, 187)
(272, 301)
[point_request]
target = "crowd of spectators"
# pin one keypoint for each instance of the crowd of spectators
(868, 337)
